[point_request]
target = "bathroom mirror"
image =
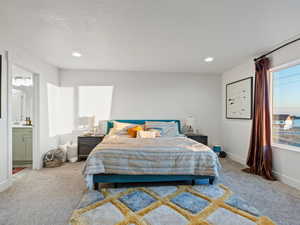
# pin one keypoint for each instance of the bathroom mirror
(22, 95)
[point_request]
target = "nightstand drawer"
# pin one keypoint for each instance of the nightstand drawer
(89, 141)
(86, 144)
(199, 138)
(85, 149)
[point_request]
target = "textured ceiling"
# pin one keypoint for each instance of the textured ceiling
(148, 35)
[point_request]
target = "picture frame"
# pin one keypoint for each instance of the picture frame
(239, 99)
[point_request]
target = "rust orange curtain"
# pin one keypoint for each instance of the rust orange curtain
(260, 152)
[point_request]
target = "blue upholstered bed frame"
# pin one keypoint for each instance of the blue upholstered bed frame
(124, 178)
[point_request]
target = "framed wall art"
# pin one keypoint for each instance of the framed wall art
(239, 99)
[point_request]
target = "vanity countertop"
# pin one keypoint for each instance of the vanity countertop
(21, 126)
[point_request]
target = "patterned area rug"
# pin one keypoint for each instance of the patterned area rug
(17, 169)
(164, 205)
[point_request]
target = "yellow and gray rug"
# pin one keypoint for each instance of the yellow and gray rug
(164, 205)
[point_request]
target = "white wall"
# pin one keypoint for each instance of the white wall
(47, 74)
(151, 95)
(236, 133)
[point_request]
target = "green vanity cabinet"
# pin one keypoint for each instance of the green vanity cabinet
(22, 145)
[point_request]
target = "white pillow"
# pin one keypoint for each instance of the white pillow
(64, 148)
(146, 134)
(168, 129)
(120, 128)
(72, 153)
(120, 125)
(112, 131)
(156, 131)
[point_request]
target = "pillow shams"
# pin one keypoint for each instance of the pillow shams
(156, 131)
(168, 129)
(145, 134)
(120, 128)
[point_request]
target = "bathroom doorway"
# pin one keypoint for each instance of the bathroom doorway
(23, 118)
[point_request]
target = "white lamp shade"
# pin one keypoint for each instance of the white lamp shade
(190, 121)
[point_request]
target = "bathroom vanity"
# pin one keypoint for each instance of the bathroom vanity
(22, 145)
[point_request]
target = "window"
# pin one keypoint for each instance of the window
(93, 105)
(53, 108)
(60, 109)
(286, 106)
(94, 102)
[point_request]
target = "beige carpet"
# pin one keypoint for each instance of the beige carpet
(45, 197)
(48, 196)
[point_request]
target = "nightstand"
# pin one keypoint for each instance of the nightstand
(199, 138)
(86, 144)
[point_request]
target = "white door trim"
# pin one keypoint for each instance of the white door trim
(9, 116)
(36, 164)
(5, 174)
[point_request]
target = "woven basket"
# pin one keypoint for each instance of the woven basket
(53, 163)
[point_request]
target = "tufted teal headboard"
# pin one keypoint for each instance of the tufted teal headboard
(110, 123)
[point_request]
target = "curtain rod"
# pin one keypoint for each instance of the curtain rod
(276, 49)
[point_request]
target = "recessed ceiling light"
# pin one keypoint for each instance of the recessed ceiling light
(209, 59)
(76, 54)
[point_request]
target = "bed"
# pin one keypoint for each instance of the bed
(120, 159)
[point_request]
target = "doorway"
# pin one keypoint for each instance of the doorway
(23, 119)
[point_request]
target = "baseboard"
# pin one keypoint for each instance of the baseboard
(236, 158)
(281, 177)
(5, 184)
(288, 180)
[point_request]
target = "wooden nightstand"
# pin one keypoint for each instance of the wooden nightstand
(86, 144)
(198, 137)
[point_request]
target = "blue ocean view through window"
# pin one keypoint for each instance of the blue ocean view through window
(286, 106)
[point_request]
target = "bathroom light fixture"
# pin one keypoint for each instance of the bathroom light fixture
(22, 81)
(76, 54)
(209, 59)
